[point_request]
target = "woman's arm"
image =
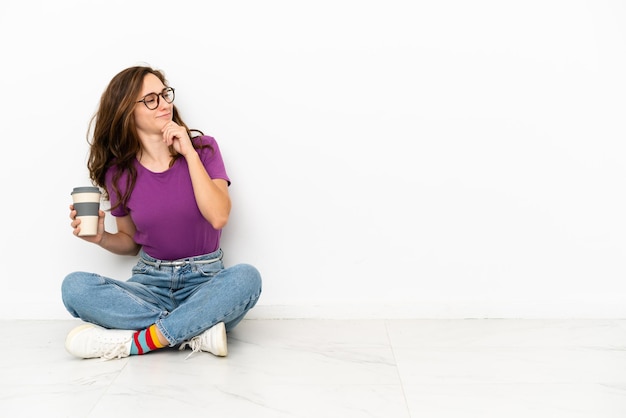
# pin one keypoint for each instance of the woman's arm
(121, 242)
(211, 195)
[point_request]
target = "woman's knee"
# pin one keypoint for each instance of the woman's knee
(249, 275)
(75, 286)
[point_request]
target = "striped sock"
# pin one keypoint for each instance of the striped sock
(145, 341)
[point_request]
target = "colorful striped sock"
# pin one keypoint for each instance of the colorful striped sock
(145, 341)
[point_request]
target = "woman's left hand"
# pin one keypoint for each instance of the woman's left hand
(177, 136)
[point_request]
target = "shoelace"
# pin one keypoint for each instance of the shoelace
(117, 352)
(194, 344)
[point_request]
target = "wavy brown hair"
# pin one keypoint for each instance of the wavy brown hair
(114, 140)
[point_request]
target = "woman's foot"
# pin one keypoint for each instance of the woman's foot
(212, 341)
(92, 341)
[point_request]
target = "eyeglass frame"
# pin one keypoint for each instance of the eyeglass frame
(158, 95)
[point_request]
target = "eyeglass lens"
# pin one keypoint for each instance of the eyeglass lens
(152, 100)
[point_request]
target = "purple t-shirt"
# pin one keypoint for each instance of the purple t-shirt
(164, 210)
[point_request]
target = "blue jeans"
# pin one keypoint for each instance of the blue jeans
(183, 301)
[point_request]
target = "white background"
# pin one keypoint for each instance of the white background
(422, 158)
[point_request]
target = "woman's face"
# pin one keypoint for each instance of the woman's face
(150, 121)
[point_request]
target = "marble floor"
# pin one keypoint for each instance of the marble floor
(332, 368)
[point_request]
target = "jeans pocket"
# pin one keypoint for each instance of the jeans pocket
(141, 268)
(209, 270)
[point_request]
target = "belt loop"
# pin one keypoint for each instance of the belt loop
(158, 264)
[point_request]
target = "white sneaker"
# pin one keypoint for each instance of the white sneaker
(213, 341)
(92, 341)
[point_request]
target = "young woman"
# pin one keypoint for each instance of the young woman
(168, 190)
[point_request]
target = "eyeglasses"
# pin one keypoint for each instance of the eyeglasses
(152, 100)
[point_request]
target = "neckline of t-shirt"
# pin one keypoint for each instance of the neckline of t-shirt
(155, 173)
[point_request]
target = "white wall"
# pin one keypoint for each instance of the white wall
(420, 158)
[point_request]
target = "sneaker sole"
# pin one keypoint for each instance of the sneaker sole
(75, 331)
(222, 349)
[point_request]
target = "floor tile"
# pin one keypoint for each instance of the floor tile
(516, 400)
(332, 368)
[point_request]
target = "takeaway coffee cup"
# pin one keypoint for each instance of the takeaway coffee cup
(87, 205)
